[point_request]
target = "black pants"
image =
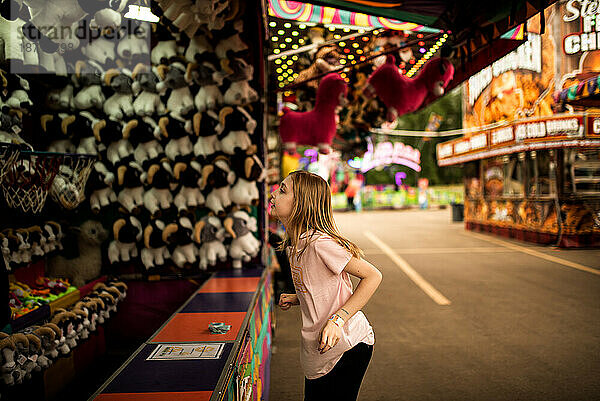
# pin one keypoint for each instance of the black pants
(343, 381)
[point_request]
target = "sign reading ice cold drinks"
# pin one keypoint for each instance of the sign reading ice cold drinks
(588, 11)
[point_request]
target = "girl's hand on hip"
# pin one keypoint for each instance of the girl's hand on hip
(330, 335)
(287, 300)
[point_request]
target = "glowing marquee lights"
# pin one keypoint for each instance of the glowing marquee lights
(385, 153)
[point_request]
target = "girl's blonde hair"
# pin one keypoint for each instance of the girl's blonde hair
(312, 211)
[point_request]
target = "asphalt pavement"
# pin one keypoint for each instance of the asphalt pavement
(465, 316)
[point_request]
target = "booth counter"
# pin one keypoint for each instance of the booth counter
(184, 361)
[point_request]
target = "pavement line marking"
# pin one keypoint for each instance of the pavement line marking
(409, 271)
(417, 251)
(532, 252)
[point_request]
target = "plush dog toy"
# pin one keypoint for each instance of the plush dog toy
(216, 179)
(209, 232)
(129, 178)
(234, 130)
(177, 129)
(239, 73)
(318, 126)
(180, 99)
(203, 72)
(100, 183)
(404, 95)
(249, 170)
(185, 251)
(190, 177)
(120, 104)
(126, 233)
(148, 90)
(145, 137)
(205, 125)
(88, 80)
(244, 245)
(158, 178)
(156, 237)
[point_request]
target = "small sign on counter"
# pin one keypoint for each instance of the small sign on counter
(187, 351)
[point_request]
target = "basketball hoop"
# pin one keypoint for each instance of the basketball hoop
(26, 183)
(68, 187)
(8, 155)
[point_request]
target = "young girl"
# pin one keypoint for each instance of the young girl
(337, 339)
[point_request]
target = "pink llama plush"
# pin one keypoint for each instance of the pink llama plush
(318, 126)
(404, 95)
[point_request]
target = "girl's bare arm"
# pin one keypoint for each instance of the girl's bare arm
(370, 278)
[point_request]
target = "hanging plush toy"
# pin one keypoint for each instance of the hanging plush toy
(148, 90)
(318, 126)
(190, 177)
(185, 251)
(326, 59)
(216, 179)
(239, 74)
(145, 137)
(129, 179)
(156, 236)
(120, 104)
(180, 99)
(249, 170)
(127, 232)
(244, 245)
(404, 95)
(177, 129)
(100, 184)
(205, 125)
(204, 73)
(158, 178)
(234, 130)
(210, 233)
(88, 78)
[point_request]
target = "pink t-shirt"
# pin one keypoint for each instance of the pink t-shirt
(323, 288)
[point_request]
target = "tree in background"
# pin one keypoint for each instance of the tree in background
(449, 108)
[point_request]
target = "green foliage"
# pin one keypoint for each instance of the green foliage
(450, 108)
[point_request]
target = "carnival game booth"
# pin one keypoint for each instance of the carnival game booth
(534, 179)
(131, 170)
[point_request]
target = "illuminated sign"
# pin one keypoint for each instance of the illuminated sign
(528, 56)
(386, 153)
(589, 37)
(573, 130)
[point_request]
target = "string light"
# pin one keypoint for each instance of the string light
(280, 32)
(294, 58)
(279, 70)
(295, 33)
(287, 25)
(272, 24)
(288, 40)
(276, 51)
(294, 46)
(274, 38)
(302, 26)
(282, 45)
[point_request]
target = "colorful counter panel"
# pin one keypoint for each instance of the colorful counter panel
(237, 298)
